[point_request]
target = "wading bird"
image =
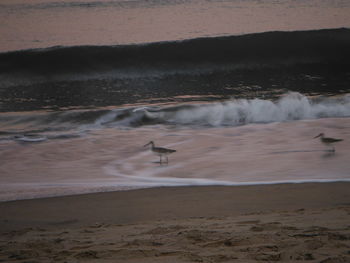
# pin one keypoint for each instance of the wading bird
(328, 141)
(160, 151)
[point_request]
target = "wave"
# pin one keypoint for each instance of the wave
(261, 50)
(294, 106)
(290, 107)
(260, 65)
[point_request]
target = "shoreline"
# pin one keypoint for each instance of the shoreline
(149, 204)
(69, 192)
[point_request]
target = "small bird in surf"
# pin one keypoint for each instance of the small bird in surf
(328, 141)
(160, 151)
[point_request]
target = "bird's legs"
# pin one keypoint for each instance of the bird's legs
(331, 149)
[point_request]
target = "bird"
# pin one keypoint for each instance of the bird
(160, 151)
(328, 141)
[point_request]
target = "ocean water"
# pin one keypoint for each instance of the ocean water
(238, 88)
(43, 23)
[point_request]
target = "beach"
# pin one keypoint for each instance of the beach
(282, 222)
(174, 131)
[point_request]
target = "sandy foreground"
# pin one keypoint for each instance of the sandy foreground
(283, 222)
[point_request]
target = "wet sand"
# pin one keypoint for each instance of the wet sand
(282, 222)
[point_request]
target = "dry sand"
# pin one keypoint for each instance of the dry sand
(287, 222)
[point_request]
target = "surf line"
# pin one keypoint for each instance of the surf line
(126, 170)
(149, 179)
(129, 175)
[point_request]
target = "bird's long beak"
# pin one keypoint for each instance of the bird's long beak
(317, 136)
(147, 144)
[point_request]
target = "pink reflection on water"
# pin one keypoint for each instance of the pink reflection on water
(114, 159)
(39, 23)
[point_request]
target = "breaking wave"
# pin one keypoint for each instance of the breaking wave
(292, 106)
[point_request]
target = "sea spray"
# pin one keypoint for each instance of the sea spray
(290, 107)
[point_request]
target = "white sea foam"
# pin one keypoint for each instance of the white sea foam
(292, 106)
